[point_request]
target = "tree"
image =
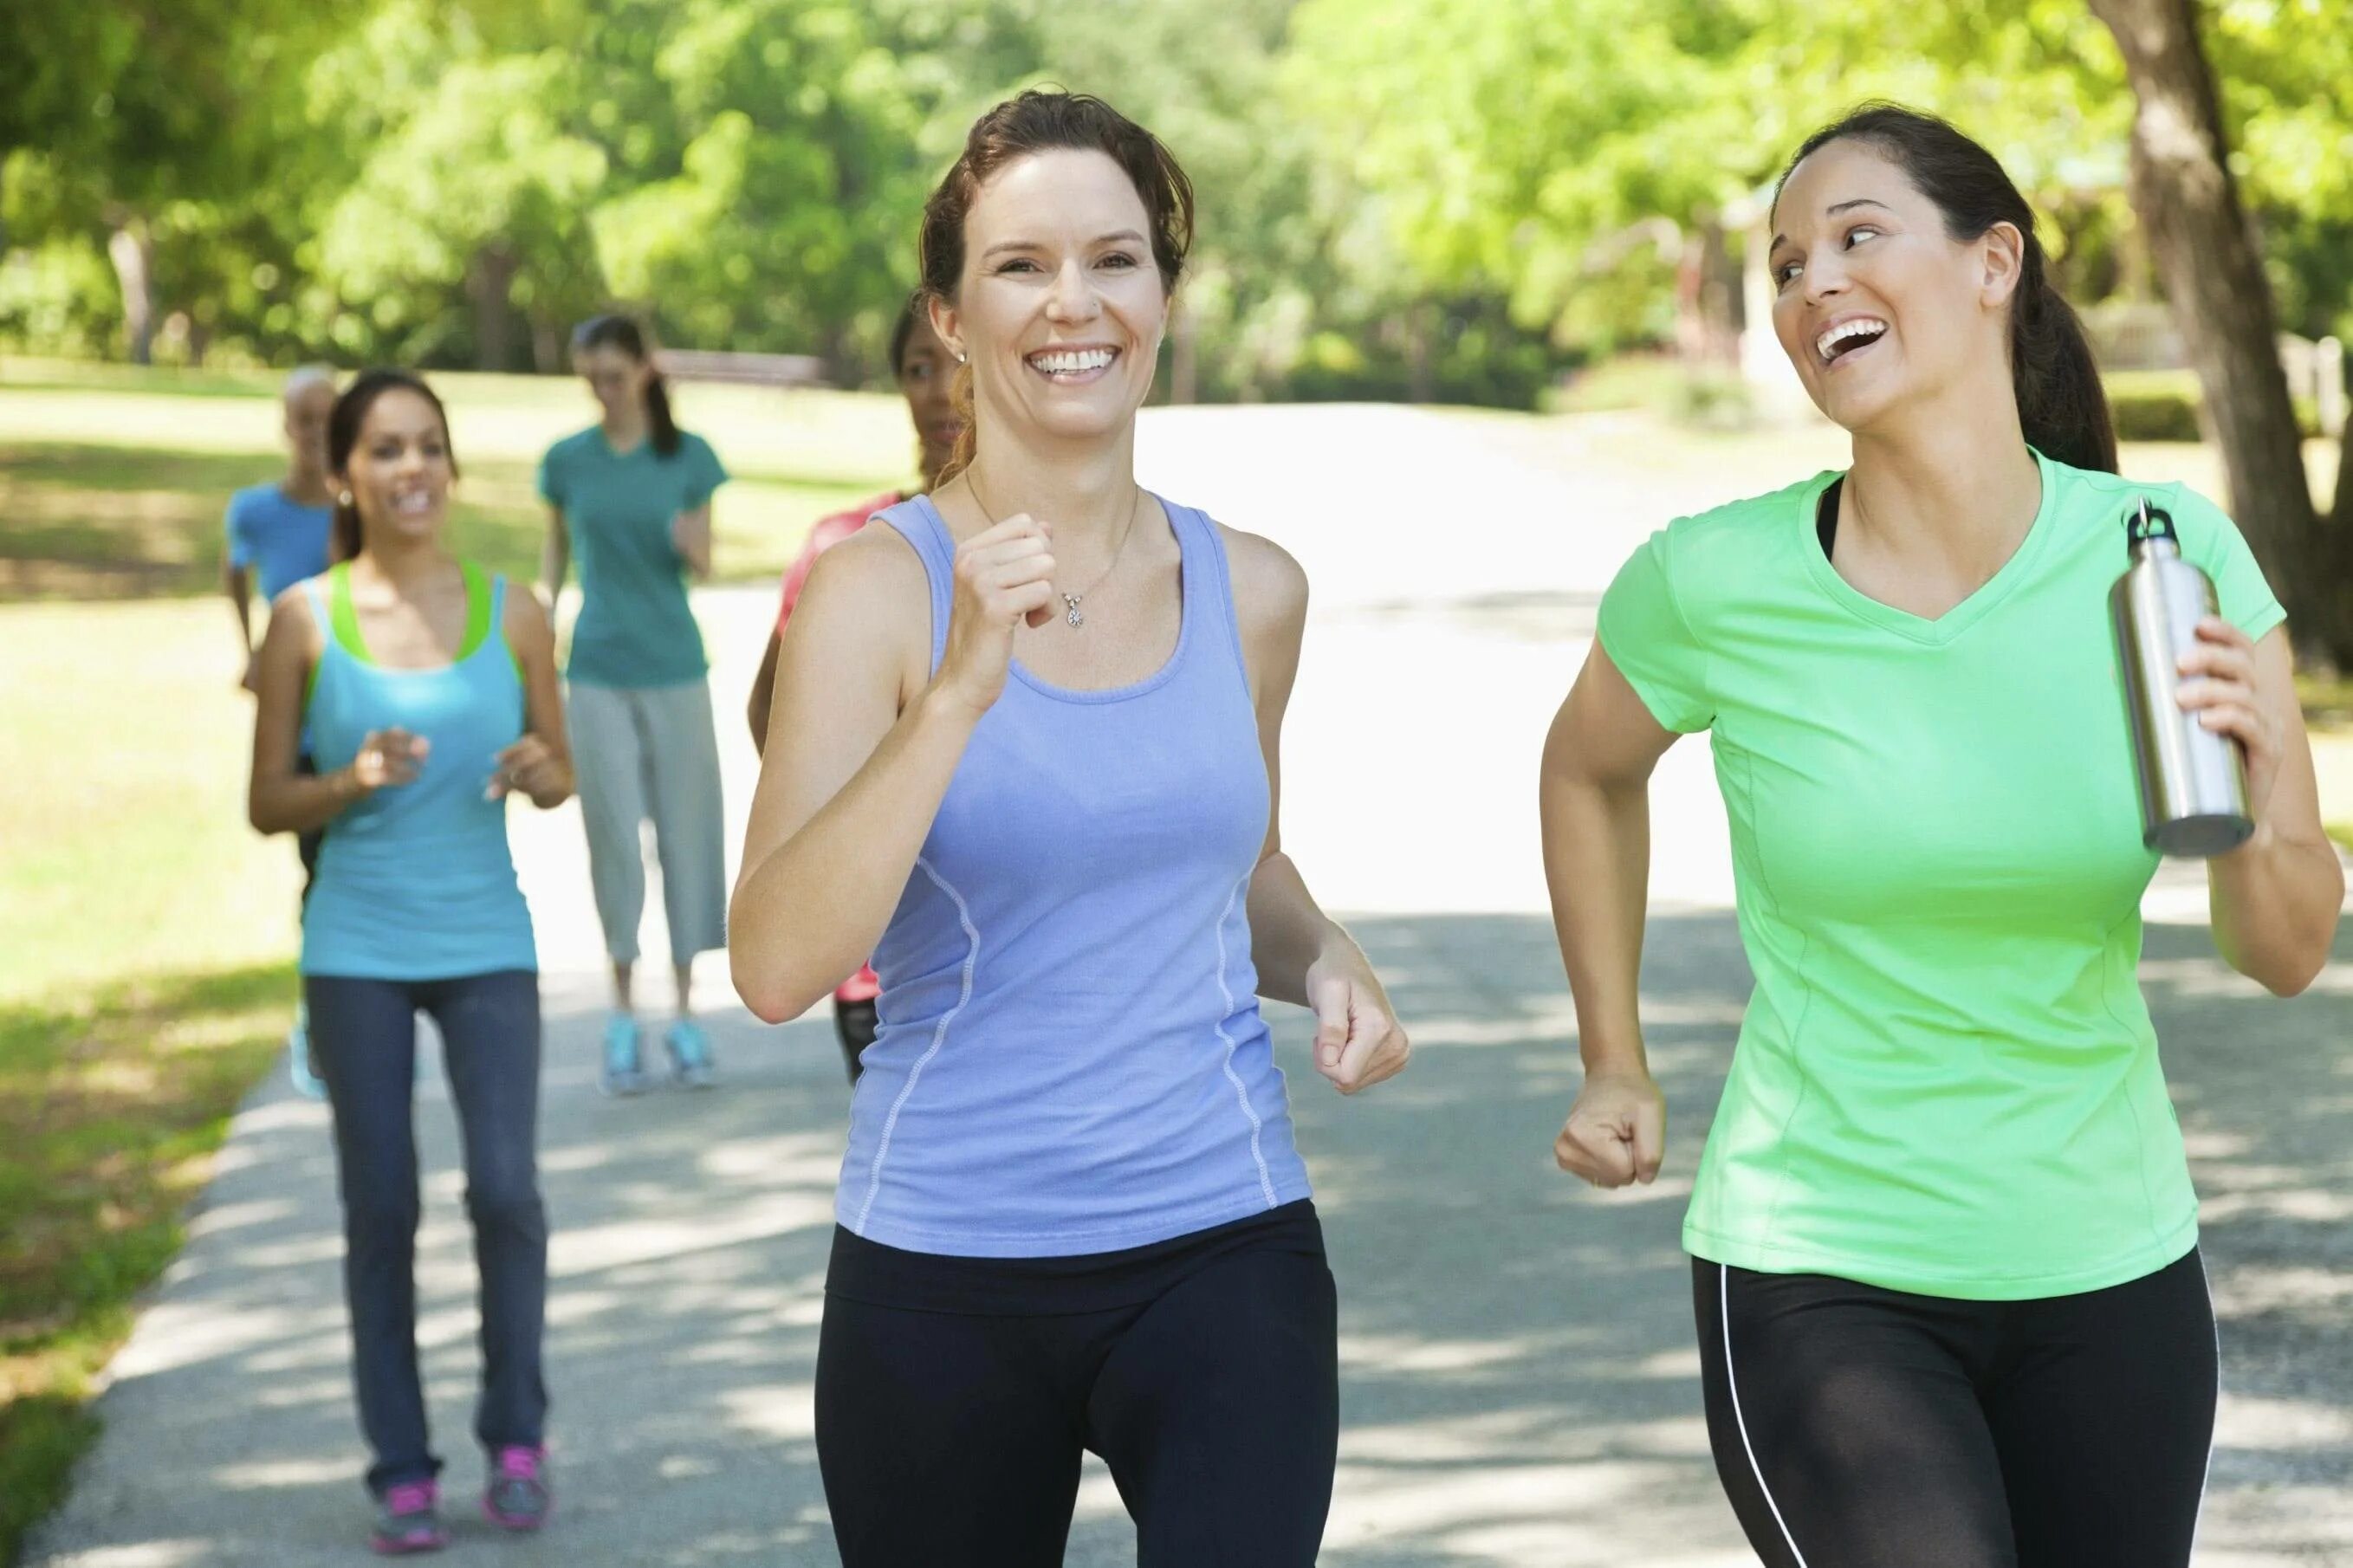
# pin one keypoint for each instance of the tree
(2188, 199)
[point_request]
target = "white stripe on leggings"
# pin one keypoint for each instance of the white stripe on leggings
(1732, 1383)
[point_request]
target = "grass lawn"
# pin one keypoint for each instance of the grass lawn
(145, 980)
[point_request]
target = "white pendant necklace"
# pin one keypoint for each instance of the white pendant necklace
(1070, 611)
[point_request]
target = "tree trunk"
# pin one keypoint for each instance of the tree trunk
(133, 251)
(2205, 252)
(491, 281)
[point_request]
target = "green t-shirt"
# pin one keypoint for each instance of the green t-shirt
(635, 628)
(1946, 1080)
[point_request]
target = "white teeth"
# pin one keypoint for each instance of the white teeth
(1072, 363)
(1861, 327)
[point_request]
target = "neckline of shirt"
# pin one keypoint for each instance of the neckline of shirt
(1971, 610)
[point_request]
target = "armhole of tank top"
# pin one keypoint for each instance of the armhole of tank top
(1220, 591)
(927, 536)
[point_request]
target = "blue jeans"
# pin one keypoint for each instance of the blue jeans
(363, 1041)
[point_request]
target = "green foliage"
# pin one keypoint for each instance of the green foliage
(1390, 189)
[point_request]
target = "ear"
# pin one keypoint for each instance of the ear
(2003, 255)
(945, 325)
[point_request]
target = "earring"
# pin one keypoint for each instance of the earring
(345, 499)
(959, 356)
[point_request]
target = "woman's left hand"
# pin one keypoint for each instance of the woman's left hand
(2219, 686)
(528, 765)
(1358, 1041)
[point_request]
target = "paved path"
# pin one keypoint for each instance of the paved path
(1520, 1384)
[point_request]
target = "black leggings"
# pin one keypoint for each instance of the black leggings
(854, 1025)
(952, 1439)
(1860, 1427)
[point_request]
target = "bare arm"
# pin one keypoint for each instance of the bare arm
(840, 814)
(2274, 900)
(1302, 954)
(555, 560)
(238, 583)
(764, 692)
(539, 763)
(1594, 793)
(690, 533)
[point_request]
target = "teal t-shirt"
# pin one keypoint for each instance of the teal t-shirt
(635, 628)
(1946, 1080)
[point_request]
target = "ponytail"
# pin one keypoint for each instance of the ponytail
(663, 428)
(967, 443)
(344, 533)
(2061, 403)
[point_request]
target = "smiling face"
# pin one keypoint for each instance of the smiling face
(616, 379)
(400, 470)
(927, 378)
(1060, 309)
(1875, 303)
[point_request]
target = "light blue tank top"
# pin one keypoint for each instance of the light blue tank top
(1070, 1057)
(414, 883)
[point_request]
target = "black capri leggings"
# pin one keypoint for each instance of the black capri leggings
(951, 1438)
(1861, 1427)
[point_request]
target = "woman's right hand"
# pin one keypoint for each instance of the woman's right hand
(387, 758)
(1002, 577)
(1617, 1131)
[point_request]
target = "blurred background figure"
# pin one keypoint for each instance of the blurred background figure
(631, 495)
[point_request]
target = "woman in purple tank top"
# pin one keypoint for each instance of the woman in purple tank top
(1036, 774)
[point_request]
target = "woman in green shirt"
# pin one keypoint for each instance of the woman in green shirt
(1945, 1255)
(630, 497)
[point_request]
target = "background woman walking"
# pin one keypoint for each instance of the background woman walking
(630, 496)
(428, 693)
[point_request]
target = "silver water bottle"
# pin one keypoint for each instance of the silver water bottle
(2193, 781)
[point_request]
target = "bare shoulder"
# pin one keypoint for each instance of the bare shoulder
(1269, 586)
(523, 620)
(291, 610)
(874, 572)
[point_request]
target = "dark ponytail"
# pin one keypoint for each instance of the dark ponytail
(620, 333)
(2061, 403)
(351, 411)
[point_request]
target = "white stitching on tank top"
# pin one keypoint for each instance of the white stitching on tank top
(939, 1039)
(1265, 1182)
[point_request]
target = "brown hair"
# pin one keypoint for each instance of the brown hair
(1034, 122)
(620, 333)
(343, 424)
(2060, 402)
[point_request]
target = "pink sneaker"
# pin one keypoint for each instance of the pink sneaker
(517, 1497)
(407, 1520)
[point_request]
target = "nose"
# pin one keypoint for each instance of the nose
(1073, 296)
(1824, 279)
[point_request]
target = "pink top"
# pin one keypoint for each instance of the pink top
(829, 532)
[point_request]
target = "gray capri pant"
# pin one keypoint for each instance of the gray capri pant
(651, 751)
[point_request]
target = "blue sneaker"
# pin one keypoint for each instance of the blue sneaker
(625, 1071)
(690, 1054)
(298, 1069)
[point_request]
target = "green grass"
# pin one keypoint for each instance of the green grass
(146, 979)
(112, 480)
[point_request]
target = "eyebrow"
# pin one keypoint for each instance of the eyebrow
(1781, 239)
(1128, 235)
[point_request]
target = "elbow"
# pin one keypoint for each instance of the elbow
(2290, 975)
(771, 997)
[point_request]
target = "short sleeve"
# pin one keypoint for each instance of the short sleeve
(1644, 629)
(236, 523)
(2212, 542)
(550, 478)
(704, 477)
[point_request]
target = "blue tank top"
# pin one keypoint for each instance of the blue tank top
(415, 883)
(1070, 1057)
